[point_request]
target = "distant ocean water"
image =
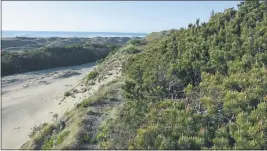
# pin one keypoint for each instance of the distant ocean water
(68, 34)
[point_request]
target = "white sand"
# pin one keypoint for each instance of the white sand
(30, 99)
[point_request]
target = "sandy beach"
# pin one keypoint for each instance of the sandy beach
(32, 98)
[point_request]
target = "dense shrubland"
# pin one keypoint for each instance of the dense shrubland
(50, 57)
(203, 87)
(197, 88)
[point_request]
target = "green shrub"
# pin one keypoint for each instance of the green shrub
(68, 93)
(223, 68)
(137, 42)
(131, 50)
(85, 102)
(92, 75)
(48, 144)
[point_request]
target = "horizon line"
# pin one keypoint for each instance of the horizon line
(75, 31)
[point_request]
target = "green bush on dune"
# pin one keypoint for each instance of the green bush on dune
(67, 93)
(220, 99)
(92, 75)
(137, 42)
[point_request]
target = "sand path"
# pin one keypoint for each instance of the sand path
(31, 98)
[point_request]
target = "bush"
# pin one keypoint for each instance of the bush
(131, 50)
(48, 144)
(137, 42)
(68, 93)
(92, 75)
(224, 71)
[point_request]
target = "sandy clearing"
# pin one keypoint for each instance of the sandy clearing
(31, 98)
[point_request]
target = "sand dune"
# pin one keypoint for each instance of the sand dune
(31, 98)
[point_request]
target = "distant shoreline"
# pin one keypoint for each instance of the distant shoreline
(67, 34)
(32, 43)
(74, 31)
(75, 37)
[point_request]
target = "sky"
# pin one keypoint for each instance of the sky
(107, 16)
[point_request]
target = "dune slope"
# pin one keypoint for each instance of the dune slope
(32, 98)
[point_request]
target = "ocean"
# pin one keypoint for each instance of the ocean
(68, 34)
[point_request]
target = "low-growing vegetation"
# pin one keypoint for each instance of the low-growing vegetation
(131, 49)
(203, 87)
(76, 134)
(109, 91)
(51, 57)
(67, 93)
(92, 75)
(53, 141)
(39, 135)
(137, 42)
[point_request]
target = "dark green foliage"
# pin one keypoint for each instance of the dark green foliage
(49, 143)
(92, 75)
(220, 100)
(68, 93)
(50, 57)
(85, 103)
(137, 42)
(132, 50)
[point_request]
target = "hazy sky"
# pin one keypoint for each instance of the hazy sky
(106, 16)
